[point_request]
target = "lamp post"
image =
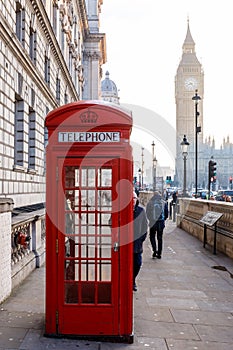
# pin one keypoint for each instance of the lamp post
(142, 155)
(154, 164)
(196, 98)
(140, 178)
(184, 147)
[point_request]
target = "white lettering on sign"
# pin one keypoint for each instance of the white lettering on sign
(104, 136)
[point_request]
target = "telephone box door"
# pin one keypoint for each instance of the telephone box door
(88, 252)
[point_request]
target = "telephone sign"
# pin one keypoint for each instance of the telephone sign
(89, 136)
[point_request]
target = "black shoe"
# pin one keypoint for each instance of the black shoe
(154, 255)
(158, 256)
(135, 288)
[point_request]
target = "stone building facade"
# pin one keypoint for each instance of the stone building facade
(51, 53)
(189, 80)
(50, 56)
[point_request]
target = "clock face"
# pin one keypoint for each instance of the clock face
(190, 84)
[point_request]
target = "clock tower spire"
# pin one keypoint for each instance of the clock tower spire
(189, 44)
(189, 78)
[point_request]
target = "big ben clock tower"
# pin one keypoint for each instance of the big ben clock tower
(189, 79)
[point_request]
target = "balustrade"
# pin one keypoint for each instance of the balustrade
(20, 242)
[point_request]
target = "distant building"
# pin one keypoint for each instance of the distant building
(189, 78)
(109, 90)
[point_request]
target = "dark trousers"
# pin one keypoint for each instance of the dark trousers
(137, 263)
(156, 232)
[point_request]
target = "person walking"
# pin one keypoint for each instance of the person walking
(157, 213)
(140, 234)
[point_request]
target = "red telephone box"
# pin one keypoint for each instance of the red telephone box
(89, 229)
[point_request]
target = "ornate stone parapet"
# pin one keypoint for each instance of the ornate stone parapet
(27, 242)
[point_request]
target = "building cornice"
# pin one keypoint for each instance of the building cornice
(98, 38)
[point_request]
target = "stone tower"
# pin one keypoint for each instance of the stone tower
(189, 78)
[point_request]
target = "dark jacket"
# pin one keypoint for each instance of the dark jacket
(150, 208)
(140, 227)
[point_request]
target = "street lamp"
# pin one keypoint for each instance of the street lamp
(196, 98)
(142, 166)
(154, 165)
(184, 147)
(140, 178)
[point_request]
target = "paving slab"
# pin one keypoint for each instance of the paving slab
(215, 333)
(12, 337)
(174, 344)
(203, 317)
(173, 302)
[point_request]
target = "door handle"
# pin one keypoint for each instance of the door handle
(116, 247)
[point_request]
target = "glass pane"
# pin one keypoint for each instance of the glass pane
(91, 177)
(69, 197)
(88, 270)
(104, 251)
(87, 230)
(76, 223)
(104, 271)
(104, 293)
(88, 219)
(69, 220)
(88, 293)
(71, 176)
(88, 248)
(104, 200)
(88, 177)
(71, 293)
(104, 219)
(105, 177)
(104, 248)
(71, 247)
(88, 200)
(72, 223)
(104, 230)
(68, 247)
(72, 199)
(71, 270)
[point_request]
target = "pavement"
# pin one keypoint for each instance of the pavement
(184, 302)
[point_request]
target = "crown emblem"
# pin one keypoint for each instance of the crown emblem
(89, 117)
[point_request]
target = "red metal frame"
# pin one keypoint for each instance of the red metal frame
(68, 126)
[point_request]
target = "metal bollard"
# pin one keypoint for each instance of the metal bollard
(174, 212)
(170, 210)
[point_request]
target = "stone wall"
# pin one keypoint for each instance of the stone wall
(144, 197)
(192, 210)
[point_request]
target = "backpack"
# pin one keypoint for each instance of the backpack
(158, 210)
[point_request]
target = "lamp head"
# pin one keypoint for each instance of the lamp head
(184, 146)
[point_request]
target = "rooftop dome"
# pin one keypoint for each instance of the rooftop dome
(108, 85)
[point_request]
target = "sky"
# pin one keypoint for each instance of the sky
(144, 46)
